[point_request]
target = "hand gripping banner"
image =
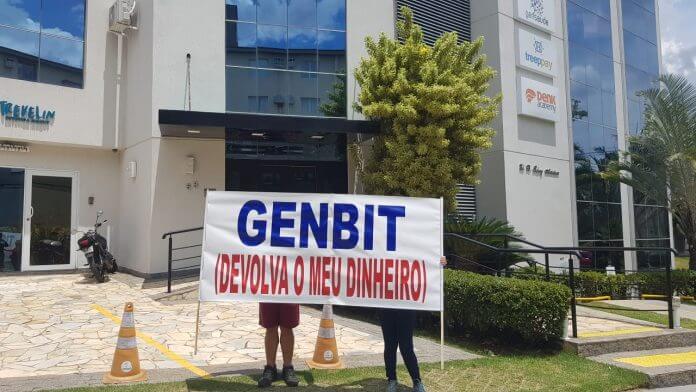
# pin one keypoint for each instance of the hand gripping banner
(372, 251)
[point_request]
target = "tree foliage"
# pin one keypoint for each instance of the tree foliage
(433, 109)
(661, 161)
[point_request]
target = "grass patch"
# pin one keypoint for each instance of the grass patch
(652, 317)
(559, 372)
(681, 263)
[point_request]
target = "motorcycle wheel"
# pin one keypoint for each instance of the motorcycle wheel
(98, 271)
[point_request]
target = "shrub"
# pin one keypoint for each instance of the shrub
(532, 310)
(476, 253)
(594, 284)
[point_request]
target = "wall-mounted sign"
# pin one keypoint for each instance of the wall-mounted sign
(538, 100)
(10, 111)
(537, 53)
(12, 147)
(539, 13)
(538, 171)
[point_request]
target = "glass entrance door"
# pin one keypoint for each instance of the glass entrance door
(11, 222)
(49, 212)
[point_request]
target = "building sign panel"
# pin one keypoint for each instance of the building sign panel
(539, 13)
(10, 111)
(538, 100)
(537, 53)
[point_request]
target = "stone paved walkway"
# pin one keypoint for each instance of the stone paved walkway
(49, 326)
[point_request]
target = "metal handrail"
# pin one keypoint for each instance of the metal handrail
(171, 249)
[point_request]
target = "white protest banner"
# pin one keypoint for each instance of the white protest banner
(371, 251)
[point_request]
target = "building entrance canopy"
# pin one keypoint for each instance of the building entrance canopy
(208, 125)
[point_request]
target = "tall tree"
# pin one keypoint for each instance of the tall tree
(433, 109)
(661, 161)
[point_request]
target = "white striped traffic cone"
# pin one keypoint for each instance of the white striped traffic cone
(126, 364)
(326, 351)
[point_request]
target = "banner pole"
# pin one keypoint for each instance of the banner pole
(198, 319)
(442, 287)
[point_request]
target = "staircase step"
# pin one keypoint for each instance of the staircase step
(638, 339)
(667, 367)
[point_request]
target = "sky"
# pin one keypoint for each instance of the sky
(678, 29)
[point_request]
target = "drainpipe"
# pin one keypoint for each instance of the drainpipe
(117, 125)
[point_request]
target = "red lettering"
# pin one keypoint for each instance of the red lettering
(416, 272)
(298, 273)
(350, 277)
(389, 279)
(403, 284)
(366, 277)
(315, 265)
(264, 284)
(255, 274)
(325, 275)
(378, 279)
(246, 270)
(234, 273)
(336, 276)
(224, 272)
(283, 284)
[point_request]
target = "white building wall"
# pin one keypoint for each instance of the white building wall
(538, 206)
(84, 117)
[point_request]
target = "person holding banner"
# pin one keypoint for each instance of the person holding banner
(397, 331)
(283, 317)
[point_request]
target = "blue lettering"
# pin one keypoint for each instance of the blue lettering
(50, 115)
(16, 111)
(279, 223)
(348, 225)
(3, 108)
(319, 228)
(259, 226)
(369, 225)
(391, 213)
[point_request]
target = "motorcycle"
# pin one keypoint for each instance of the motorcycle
(96, 250)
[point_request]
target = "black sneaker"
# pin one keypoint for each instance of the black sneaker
(290, 377)
(269, 375)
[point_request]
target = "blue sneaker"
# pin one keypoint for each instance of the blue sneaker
(418, 386)
(392, 386)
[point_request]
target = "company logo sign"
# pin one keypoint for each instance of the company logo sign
(539, 100)
(26, 113)
(540, 13)
(537, 53)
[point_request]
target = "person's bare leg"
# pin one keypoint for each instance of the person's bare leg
(287, 345)
(271, 345)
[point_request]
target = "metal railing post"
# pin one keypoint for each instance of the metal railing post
(573, 313)
(169, 269)
(548, 271)
(670, 294)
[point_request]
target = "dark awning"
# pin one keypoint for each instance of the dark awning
(183, 123)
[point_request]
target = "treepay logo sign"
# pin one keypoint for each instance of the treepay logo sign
(538, 12)
(539, 100)
(537, 53)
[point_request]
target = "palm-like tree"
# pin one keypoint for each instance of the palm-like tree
(661, 161)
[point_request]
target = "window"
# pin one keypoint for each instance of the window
(285, 50)
(43, 41)
(594, 127)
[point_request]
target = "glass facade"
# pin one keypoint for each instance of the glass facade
(43, 41)
(642, 70)
(594, 128)
(286, 57)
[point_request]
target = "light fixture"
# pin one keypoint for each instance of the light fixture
(317, 137)
(193, 131)
(258, 134)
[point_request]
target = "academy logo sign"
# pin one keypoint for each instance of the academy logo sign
(536, 53)
(540, 13)
(539, 100)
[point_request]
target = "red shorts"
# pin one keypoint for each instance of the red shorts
(273, 315)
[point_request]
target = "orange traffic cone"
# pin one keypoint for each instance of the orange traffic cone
(325, 351)
(126, 364)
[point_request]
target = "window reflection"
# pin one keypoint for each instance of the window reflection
(331, 14)
(298, 48)
(244, 10)
(43, 41)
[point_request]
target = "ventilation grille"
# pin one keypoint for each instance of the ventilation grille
(466, 202)
(437, 17)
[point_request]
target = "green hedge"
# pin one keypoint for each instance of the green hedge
(532, 310)
(592, 284)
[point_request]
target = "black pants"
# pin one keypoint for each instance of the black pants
(397, 330)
